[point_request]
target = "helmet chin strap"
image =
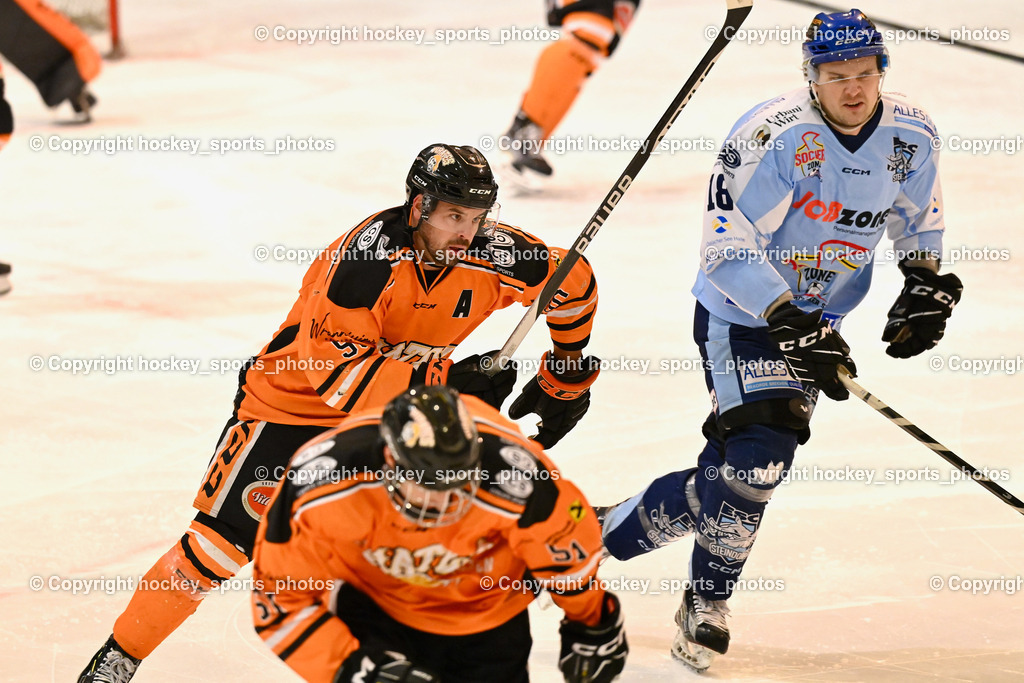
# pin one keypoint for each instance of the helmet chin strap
(848, 130)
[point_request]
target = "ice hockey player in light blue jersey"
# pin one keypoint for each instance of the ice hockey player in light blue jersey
(803, 191)
(792, 206)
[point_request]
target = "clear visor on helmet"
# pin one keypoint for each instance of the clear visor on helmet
(428, 506)
(485, 221)
(875, 72)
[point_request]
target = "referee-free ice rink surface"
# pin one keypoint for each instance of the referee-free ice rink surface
(163, 255)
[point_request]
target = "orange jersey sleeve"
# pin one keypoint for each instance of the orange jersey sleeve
(331, 519)
(367, 316)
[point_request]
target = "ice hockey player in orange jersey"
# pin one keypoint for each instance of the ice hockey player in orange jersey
(590, 31)
(406, 545)
(381, 310)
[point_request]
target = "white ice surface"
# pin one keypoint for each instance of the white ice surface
(152, 254)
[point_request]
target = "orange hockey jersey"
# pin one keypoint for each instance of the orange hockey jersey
(331, 520)
(367, 316)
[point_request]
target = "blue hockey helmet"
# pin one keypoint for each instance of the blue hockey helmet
(841, 36)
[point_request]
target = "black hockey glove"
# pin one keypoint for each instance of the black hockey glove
(594, 654)
(468, 377)
(812, 348)
(917, 320)
(373, 666)
(561, 400)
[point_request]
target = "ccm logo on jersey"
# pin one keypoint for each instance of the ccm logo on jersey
(835, 212)
(856, 171)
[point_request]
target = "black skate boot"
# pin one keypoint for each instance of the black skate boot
(702, 631)
(83, 103)
(110, 665)
(523, 165)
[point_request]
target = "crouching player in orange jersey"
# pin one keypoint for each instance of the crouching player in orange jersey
(406, 545)
(381, 310)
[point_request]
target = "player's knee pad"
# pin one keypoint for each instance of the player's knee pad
(756, 459)
(205, 557)
(792, 413)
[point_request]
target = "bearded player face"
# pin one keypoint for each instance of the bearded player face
(442, 238)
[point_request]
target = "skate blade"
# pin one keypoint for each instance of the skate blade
(696, 657)
(520, 182)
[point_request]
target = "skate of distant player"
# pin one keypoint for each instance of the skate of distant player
(590, 32)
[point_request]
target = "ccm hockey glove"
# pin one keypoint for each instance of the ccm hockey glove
(812, 348)
(594, 654)
(560, 400)
(917, 320)
(370, 666)
(468, 376)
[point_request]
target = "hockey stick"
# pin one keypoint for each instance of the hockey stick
(916, 432)
(736, 13)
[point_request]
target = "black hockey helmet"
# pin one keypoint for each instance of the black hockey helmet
(433, 447)
(458, 175)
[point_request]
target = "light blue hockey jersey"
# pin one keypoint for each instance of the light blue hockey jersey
(789, 207)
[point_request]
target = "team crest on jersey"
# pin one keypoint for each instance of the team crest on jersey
(810, 155)
(439, 156)
(732, 534)
(256, 497)
(901, 159)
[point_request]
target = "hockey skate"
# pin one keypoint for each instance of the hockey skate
(522, 164)
(110, 665)
(5, 278)
(82, 104)
(702, 631)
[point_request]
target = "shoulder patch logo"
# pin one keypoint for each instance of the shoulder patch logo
(368, 235)
(729, 156)
(900, 163)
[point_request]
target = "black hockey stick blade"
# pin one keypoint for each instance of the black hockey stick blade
(919, 434)
(735, 15)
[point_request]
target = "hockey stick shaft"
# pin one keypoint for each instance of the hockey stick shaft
(737, 12)
(919, 434)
